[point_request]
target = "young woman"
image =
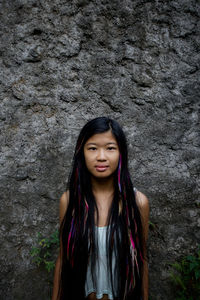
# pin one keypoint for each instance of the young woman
(103, 222)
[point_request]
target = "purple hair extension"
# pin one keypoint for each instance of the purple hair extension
(119, 173)
(69, 236)
(85, 214)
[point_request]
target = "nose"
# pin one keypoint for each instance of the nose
(101, 155)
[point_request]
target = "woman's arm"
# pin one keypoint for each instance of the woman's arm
(56, 279)
(64, 200)
(143, 205)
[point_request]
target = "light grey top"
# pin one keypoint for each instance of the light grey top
(103, 284)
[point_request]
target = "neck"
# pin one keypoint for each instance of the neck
(102, 185)
(103, 191)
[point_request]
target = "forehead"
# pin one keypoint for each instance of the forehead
(102, 138)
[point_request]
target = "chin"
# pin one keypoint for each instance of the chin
(103, 175)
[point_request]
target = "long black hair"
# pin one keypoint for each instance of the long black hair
(77, 230)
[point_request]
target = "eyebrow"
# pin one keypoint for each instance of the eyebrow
(110, 143)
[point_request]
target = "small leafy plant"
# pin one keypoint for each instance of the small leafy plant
(43, 253)
(186, 277)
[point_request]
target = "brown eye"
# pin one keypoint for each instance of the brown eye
(111, 148)
(92, 148)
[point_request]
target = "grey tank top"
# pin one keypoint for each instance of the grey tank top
(103, 284)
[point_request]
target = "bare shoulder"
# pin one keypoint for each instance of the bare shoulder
(142, 203)
(64, 201)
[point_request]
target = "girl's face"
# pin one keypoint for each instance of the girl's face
(101, 153)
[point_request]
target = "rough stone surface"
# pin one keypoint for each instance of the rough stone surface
(65, 62)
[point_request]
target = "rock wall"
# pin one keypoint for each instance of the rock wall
(65, 62)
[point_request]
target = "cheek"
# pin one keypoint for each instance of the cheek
(116, 162)
(88, 160)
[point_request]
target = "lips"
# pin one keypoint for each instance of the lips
(101, 168)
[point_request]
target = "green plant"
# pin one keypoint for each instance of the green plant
(43, 253)
(155, 229)
(186, 277)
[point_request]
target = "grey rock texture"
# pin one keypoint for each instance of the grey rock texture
(65, 62)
